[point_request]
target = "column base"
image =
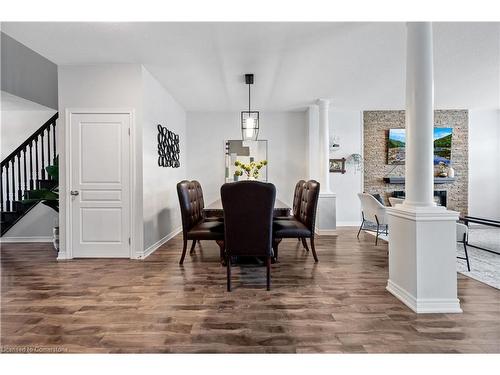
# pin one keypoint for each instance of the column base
(422, 258)
(326, 216)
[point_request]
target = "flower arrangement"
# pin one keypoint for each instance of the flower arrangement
(251, 169)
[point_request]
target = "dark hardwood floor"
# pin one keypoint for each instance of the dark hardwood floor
(337, 305)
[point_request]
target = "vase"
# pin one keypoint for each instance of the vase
(451, 172)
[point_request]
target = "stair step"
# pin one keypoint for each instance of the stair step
(46, 184)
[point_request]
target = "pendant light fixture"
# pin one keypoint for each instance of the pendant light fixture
(249, 119)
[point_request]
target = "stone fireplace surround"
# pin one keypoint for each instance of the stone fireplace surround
(376, 125)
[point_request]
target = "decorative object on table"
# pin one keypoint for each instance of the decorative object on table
(251, 170)
(249, 119)
(451, 172)
(245, 152)
(356, 161)
(442, 170)
(397, 141)
(168, 148)
(48, 197)
(337, 165)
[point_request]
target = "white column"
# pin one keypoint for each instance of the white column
(326, 221)
(324, 145)
(313, 145)
(422, 237)
(419, 116)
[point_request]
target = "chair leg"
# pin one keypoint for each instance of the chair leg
(268, 273)
(228, 265)
(361, 227)
(376, 237)
(184, 248)
(304, 243)
(313, 249)
(276, 242)
(466, 256)
(192, 247)
(222, 254)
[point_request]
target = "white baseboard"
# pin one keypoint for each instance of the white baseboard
(349, 223)
(326, 232)
(25, 239)
(424, 306)
(151, 249)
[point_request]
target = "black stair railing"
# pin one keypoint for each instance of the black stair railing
(22, 169)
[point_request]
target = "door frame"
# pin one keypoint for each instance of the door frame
(67, 220)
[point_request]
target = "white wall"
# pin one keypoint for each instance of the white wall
(286, 133)
(484, 163)
(101, 87)
(161, 205)
(348, 126)
(19, 119)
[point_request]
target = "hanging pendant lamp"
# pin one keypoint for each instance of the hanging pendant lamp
(249, 119)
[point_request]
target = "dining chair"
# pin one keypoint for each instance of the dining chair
(248, 219)
(194, 226)
(297, 194)
(302, 225)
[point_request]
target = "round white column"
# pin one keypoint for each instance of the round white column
(419, 116)
(324, 145)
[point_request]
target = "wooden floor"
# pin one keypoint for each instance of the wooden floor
(337, 305)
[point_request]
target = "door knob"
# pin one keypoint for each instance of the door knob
(74, 192)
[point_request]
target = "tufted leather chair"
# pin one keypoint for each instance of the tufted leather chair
(194, 226)
(303, 224)
(248, 219)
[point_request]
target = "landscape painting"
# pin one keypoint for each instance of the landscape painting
(396, 146)
(397, 142)
(442, 145)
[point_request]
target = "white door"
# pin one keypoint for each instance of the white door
(100, 184)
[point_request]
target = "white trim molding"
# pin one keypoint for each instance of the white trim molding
(26, 239)
(151, 249)
(424, 305)
(326, 232)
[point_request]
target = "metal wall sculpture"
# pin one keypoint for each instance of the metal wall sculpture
(168, 148)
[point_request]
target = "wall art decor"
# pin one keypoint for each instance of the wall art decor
(168, 148)
(337, 165)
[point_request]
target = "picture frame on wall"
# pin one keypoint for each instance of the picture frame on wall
(337, 165)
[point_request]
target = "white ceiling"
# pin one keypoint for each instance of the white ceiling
(356, 65)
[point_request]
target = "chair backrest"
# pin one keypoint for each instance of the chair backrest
(297, 195)
(191, 203)
(248, 217)
(308, 204)
(372, 209)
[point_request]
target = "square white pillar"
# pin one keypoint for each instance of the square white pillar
(422, 258)
(326, 218)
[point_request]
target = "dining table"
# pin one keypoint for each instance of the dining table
(215, 210)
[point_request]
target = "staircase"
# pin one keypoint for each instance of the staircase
(24, 170)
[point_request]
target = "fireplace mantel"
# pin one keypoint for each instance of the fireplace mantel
(401, 180)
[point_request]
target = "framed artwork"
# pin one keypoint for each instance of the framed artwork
(337, 165)
(168, 148)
